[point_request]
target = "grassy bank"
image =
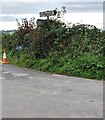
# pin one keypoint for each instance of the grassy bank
(87, 66)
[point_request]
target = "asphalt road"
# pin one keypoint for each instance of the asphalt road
(31, 94)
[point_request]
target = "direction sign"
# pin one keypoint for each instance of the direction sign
(47, 13)
(42, 14)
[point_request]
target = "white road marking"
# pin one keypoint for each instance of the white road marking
(30, 77)
(2, 78)
(19, 74)
(43, 92)
(55, 75)
(6, 72)
(16, 74)
(54, 93)
(48, 92)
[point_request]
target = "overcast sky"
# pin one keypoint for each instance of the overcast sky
(87, 12)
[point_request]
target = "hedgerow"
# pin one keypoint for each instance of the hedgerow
(77, 50)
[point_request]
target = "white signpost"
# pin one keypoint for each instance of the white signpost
(48, 13)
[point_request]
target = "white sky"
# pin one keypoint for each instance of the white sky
(52, 0)
(95, 17)
(85, 18)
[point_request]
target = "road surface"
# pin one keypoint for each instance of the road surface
(32, 94)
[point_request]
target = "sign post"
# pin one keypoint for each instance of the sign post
(48, 13)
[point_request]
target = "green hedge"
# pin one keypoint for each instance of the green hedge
(76, 51)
